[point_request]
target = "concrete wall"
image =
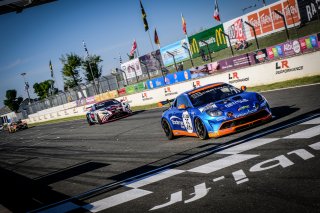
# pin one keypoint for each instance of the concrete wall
(267, 73)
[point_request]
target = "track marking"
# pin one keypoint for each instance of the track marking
(174, 198)
(247, 146)
(222, 163)
(308, 133)
(200, 191)
(315, 146)
(240, 177)
(218, 178)
(154, 178)
(313, 121)
(294, 87)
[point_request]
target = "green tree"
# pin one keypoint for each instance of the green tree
(43, 89)
(94, 61)
(12, 101)
(70, 71)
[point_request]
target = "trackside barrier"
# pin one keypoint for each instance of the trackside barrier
(267, 73)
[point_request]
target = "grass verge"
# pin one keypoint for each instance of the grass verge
(279, 85)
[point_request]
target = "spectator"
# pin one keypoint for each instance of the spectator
(203, 55)
(180, 67)
(244, 44)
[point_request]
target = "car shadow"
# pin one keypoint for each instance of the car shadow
(35, 193)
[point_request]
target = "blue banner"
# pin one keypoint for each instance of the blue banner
(156, 82)
(177, 50)
(177, 77)
(169, 79)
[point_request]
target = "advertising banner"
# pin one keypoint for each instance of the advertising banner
(177, 77)
(236, 62)
(308, 10)
(113, 94)
(152, 60)
(275, 52)
(235, 30)
(171, 78)
(260, 56)
(212, 36)
(291, 12)
(265, 20)
(204, 70)
(139, 87)
(90, 100)
(122, 91)
(308, 43)
(81, 102)
(277, 20)
(290, 48)
(177, 50)
(131, 68)
(156, 82)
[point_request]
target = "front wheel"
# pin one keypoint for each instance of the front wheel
(201, 129)
(167, 129)
(89, 121)
(99, 119)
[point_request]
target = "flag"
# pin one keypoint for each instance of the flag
(51, 69)
(156, 38)
(85, 48)
(144, 17)
(184, 25)
(133, 48)
(216, 14)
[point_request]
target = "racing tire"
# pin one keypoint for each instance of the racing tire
(99, 119)
(167, 129)
(89, 121)
(201, 129)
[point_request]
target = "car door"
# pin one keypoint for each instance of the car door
(183, 113)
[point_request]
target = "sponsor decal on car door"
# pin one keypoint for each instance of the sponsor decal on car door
(187, 121)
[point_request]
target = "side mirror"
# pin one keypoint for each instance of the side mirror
(182, 106)
(243, 88)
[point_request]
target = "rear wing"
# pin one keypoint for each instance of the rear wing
(168, 101)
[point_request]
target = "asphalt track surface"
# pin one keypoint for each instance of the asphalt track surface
(129, 166)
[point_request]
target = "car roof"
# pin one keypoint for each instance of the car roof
(198, 89)
(105, 101)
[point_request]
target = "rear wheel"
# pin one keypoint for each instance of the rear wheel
(167, 129)
(201, 129)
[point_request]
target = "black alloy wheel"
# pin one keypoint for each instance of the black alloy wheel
(167, 129)
(201, 129)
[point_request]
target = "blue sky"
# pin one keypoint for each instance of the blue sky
(30, 39)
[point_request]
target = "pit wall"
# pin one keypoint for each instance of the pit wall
(266, 73)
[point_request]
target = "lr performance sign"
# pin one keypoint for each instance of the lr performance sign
(212, 36)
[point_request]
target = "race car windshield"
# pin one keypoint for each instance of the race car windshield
(213, 94)
(106, 104)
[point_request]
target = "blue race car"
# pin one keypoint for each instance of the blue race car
(214, 110)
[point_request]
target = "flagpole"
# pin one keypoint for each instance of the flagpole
(137, 48)
(150, 40)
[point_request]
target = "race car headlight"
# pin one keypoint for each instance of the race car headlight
(214, 113)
